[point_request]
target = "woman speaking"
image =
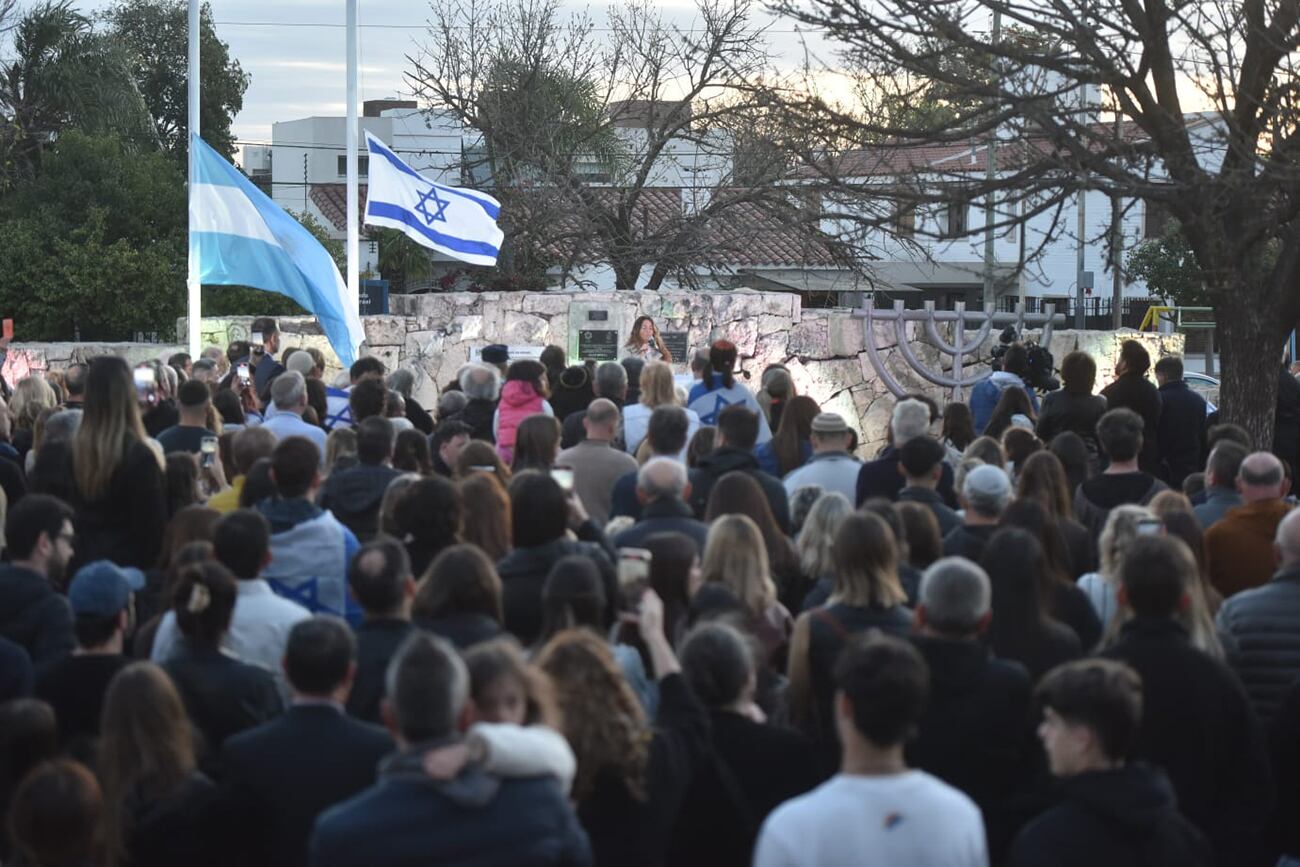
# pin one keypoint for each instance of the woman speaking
(645, 342)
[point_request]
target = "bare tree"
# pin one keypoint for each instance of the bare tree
(613, 144)
(1227, 173)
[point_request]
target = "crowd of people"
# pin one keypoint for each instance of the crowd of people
(586, 614)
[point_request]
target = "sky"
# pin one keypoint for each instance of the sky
(297, 66)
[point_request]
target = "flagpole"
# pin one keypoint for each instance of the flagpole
(353, 204)
(193, 312)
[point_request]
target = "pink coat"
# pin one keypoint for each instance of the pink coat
(518, 401)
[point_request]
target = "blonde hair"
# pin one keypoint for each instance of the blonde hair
(110, 423)
(1169, 501)
(657, 386)
(816, 541)
(32, 395)
(735, 556)
(1121, 529)
(866, 563)
(1195, 616)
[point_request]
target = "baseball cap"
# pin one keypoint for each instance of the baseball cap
(102, 589)
(829, 423)
(496, 353)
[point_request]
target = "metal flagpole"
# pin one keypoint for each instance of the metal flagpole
(194, 312)
(354, 234)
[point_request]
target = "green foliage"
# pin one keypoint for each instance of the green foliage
(402, 261)
(154, 33)
(1168, 267)
(95, 243)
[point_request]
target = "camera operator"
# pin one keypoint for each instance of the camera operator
(985, 395)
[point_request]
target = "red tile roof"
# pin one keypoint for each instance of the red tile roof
(332, 200)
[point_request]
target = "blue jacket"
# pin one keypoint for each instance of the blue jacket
(985, 395)
(409, 820)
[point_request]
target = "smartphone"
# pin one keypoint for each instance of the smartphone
(8, 329)
(1149, 527)
(564, 478)
(208, 449)
(243, 373)
(483, 468)
(256, 339)
(144, 383)
(633, 567)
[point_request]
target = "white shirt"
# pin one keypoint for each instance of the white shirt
(910, 819)
(833, 471)
(259, 628)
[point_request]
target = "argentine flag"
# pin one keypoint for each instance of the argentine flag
(242, 238)
(457, 222)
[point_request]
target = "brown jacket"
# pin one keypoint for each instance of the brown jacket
(1239, 547)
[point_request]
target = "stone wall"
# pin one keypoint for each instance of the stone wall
(825, 349)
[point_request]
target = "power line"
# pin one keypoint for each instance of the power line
(339, 26)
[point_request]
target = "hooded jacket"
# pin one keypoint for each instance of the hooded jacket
(409, 818)
(721, 461)
(1120, 818)
(355, 494)
(985, 395)
(310, 552)
(33, 615)
(518, 401)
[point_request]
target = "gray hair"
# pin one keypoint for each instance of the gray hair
(289, 390)
(1119, 531)
(983, 501)
(402, 381)
(1288, 537)
(427, 685)
(611, 380)
(450, 403)
(662, 477)
(480, 381)
(817, 538)
(910, 419)
(61, 426)
(956, 594)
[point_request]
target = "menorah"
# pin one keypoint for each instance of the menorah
(957, 349)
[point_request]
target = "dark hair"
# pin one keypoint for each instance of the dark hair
(887, 510)
(1152, 574)
(1013, 400)
(795, 430)
(204, 601)
(29, 735)
(1018, 444)
(317, 398)
(1120, 433)
(447, 431)
(366, 366)
(1225, 461)
(887, 684)
(429, 513)
(228, 407)
(737, 493)
(716, 663)
(426, 686)
(74, 379)
(1033, 517)
(193, 394)
(241, 542)
(573, 596)
(671, 557)
(250, 444)
(529, 371)
(536, 441)
(31, 516)
(485, 507)
(722, 361)
(377, 575)
(700, 445)
(236, 350)
(258, 485)
(739, 427)
(368, 398)
(266, 325)
(460, 580)
(411, 453)
(1135, 357)
(1016, 359)
(182, 481)
(667, 429)
(374, 440)
(1072, 452)
(1170, 367)
(1014, 561)
(920, 455)
(958, 425)
(1078, 372)
(94, 631)
(539, 508)
(553, 359)
(55, 815)
(1104, 695)
(294, 465)
(1231, 433)
(921, 530)
(318, 654)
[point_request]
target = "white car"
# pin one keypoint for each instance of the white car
(1206, 386)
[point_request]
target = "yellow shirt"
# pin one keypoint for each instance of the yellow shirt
(227, 500)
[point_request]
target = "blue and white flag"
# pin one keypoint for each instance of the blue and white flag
(242, 238)
(454, 221)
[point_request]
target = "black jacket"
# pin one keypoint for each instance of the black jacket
(523, 573)
(478, 415)
(977, 733)
(186, 827)
(1199, 727)
(718, 463)
(1284, 744)
(222, 695)
(1134, 391)
(377, 643)
(33, 615)
(126, 525)
(947, 518)
(1121, 818)
(1286, 421)
(1181, 432)
(1096, 497)
(663, 516)
(464, 629)
(355, 494)
(419, 416)
(882, 478)
(1264, 624)
(285, 773)
(968, 541)
(1079, 413)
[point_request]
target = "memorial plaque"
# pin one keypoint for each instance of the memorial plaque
(678, 345)
(598, 345)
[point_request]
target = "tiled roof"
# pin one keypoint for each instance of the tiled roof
(332, 200)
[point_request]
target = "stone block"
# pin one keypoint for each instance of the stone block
(547, 303)
(845, 333)
(524, 329)
(384, 330)
(809, 339)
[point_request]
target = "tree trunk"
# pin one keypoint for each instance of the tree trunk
(1247, 334)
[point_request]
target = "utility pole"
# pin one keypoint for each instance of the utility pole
(1116, 263)
(193, 286)
(990, 178)
(1082, 225)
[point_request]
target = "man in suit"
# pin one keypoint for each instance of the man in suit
(287, 772)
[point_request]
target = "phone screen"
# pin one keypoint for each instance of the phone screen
(564, 478)
(1149, 527)
(633, 566)
(243, 373)
(256, 338)
(144, 382)
(208, 448)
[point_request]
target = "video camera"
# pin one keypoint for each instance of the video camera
(1040, 367)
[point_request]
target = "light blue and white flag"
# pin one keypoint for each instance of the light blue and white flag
(454, 221)
(242, 238)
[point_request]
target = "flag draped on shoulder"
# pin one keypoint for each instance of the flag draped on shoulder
(457, 222)
(242, 238)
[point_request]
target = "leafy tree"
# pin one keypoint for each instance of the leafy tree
(155, 34)
(63, 75)
(95, 244)
(1168, 267)
(402, 261)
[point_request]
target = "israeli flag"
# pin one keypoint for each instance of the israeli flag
(456, 222)
(242, 238)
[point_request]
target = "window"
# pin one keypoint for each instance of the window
(904, 220)
(1155, 219)
(363, 166)
(952, 218)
